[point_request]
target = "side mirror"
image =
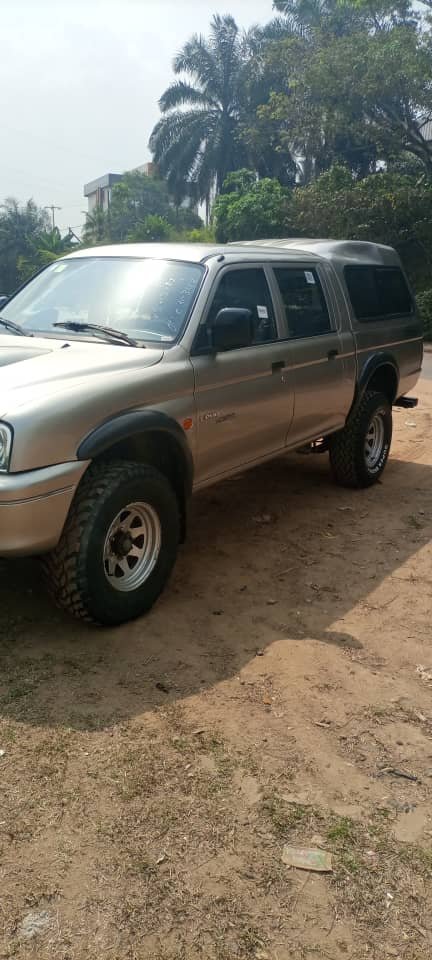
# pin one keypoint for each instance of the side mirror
(3, 300)
(232, 328)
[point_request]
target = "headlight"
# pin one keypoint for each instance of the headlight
(5, 447)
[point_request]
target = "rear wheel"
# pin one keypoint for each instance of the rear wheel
(119, 544)
(359, 453)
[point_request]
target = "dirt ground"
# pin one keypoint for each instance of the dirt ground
(152, 775)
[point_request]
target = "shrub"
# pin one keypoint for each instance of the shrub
(424, 303)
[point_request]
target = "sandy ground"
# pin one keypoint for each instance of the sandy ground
(152, 775)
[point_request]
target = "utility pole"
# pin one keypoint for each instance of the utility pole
(53, 208)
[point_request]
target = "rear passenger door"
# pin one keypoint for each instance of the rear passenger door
(315, 354)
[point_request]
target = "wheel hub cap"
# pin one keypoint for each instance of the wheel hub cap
(132, 547)
(374, 444)
(121, 544)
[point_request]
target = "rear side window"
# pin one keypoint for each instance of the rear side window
(377, 292)
(305, 307)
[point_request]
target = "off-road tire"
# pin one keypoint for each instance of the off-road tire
(347, 448)
(74, 571)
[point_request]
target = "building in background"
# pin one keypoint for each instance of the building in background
(99, 192)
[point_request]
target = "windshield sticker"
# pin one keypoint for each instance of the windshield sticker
(262, 313)
(59, 267)
(309, 277)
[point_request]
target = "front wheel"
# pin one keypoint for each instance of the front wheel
(118, 546)
(359, 453)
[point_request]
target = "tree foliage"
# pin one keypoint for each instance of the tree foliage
(44, 248)
(21, 227)
(96, 227)
(389, 208)
(358, 98)
(141, 209)
(325, 82)
(152, 229)
(249, 209)
(197, 138)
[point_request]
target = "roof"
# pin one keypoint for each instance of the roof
(337, 250)
(100, 183)
(341, 250)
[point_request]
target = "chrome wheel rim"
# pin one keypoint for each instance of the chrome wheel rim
(375, 438)
(132, 547)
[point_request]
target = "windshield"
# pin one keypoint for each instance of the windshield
(148, 299)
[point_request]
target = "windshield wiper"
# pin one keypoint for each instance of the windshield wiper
(115, 336)
(15, 328)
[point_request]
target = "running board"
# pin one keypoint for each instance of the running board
(407, 402)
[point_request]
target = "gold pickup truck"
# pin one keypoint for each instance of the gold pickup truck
(132, 375)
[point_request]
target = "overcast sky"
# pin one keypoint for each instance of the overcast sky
(79, 85)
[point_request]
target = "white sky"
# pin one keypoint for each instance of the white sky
(79, 85)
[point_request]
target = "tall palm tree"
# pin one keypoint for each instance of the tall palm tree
(20, 226)
(97, 227)
(340, 17)
(302, 17)
(44, 249)
(197, 138)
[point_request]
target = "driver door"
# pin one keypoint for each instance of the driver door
(244, 396)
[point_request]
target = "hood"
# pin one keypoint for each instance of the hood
(31, 367)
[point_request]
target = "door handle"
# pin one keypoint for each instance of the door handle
(332, 354)
(278, 365)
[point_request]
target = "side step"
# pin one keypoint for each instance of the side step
(407, 402)
(317, 446)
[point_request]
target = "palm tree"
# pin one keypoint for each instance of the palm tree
(44, 249)
(302, 17)
(51, 245)
(339, 17)
(97, 227)
(197, 139)
(21, 224)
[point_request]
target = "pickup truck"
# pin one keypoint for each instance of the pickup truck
(133, 375)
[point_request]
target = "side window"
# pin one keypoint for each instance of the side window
(249, 289)
(377, 292)
(305, 307)
(363, 292)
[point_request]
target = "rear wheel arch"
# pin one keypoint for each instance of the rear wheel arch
(380, 374)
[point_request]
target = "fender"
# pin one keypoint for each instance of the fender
(378, 360)
(133, 423)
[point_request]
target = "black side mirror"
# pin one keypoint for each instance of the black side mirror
(232, 328)
(3, 300)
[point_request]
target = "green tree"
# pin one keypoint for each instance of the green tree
(153, 229)
(97, 227)
(250, 209)
(384, 81)
(141, 208)
(21, 226)
(197, 138)
(338, 18)
(136, 197)
(387, 208)
(44, 248)
(355, 98)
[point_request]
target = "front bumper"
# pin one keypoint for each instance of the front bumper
(34, 506)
